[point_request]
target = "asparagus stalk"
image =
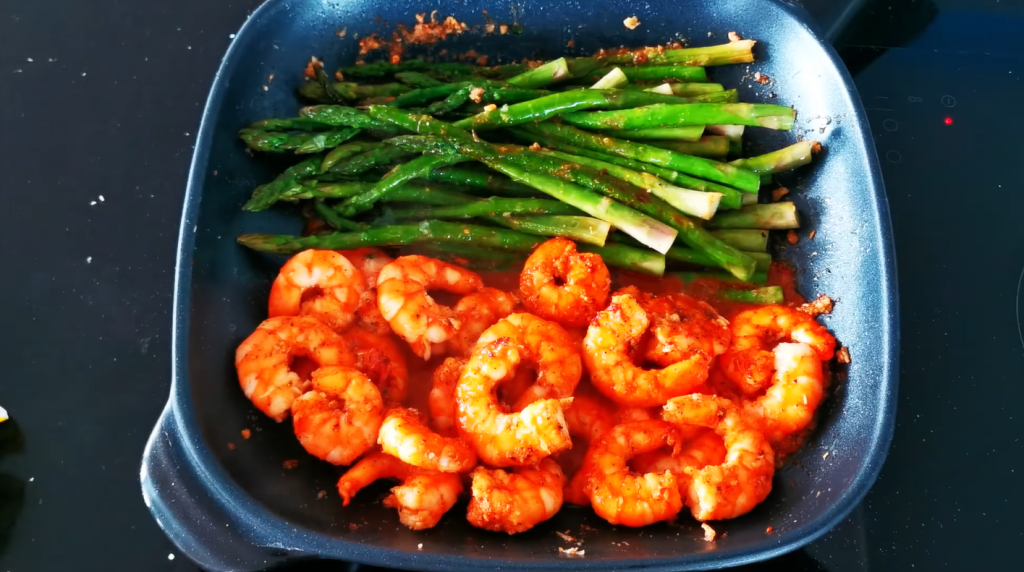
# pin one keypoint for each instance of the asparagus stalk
(749, 199)
(426, 95)
(759, 277)
(762, 295)
(416, 80)
(583, 229)
(628, 258)
(691, 89)
(773, 216)
(710, 146)
(728, 199)
(547, 74)
(554, 104)
(733, 132)
(663, 89)
(345, 151)
(732, 53)
(342, 116)
(762, 260)
(316, 190)
(662, 73)
(668, 115)
(695, 166)
(487, 207)
(613, 79)
(414, 169)
(268, 194)
(750, 240)
(697, 203)
(290, 124)
(685, 133)
(791, 157)
(300, 143)
(370, 159)
(481, 179)
(332, 218)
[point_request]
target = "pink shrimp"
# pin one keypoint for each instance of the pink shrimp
(518, 501)
(318, 283)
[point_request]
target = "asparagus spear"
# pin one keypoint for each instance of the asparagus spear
(290, 124)
(300, 143)
(426, 95)
(762, 260)
(416, 80)
(268, 194)
(613, 79)
(691, 89)
(762, 295)
(697, 203)
(759, 277)
(414, 169)
(583, 229)
(667, 115)
(551, 72)
(349, 91)
(750, 240)
(773, 216)
(791, 157)
(345, 151)
(728, 199)
(332, 218)
(489, 206)
(685, 133)
(662, 73)
(370, 159)
(482, 179)
(710, 146)
(732, 53)
(663, 89)
(628, 258)
(696, 166)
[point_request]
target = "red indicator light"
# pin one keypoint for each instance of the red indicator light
(948, 121)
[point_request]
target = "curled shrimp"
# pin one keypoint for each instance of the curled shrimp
(441, 400)
(558, 283)
(797, 388)
(607, 353)
(318, 283)
(475, 313)
(403, 300)
(380, 359)
(264, 360)
(547, 349)
(588, 418)
(403, 435)
(744, 479)
(422, 498)
(621, 496)
(338, 419)
(370, 261)
(517, 501)
(749, 362)
(502, 439)
(698, 450)
(682, 325)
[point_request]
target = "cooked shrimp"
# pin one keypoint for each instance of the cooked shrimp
(318, 283)
(620, 496)
(515, 502)
(403, 300)
(749, 363)
(502, 439)
(475, 313)
(796, 391)
(701, 449)
(547, 349)
(680, 326)
(575, 491)
(380, 359)
(442, 396)
(744, 479)
(264, 360)
(338, 419)
(588, 418)
(403, 435)
(560, 284)
(370, 261)
(422, 498)
(607, 353)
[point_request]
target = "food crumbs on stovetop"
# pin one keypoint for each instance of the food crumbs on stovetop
(501, 265)
(573, 552)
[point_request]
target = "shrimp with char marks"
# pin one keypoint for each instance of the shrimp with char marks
(588, 418)
(338, 419)
(750, 362)
(318, 283)
(608, 351)
(503, 439)
(403, 435)
(617, 494)
(264, 360)
(679, 326)
(517, 501)
(441, 401)
(546, 347)
(417, 318)
(558, 283)
(422, 498)
(744, 479)
(475, 313)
